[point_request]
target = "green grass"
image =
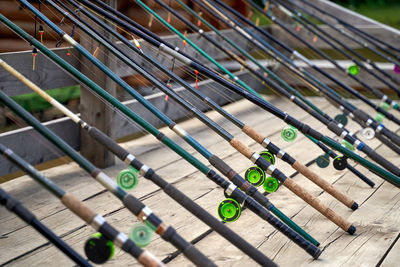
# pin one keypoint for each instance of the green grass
(32, 102)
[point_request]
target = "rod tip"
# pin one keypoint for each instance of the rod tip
(354, 206)
(351, 230)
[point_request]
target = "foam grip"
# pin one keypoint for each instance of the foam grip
(253, 134)
(77, 207)
(108, 142)
(312, 176)
(319, 206)
(314, 251)
(190, 251)
(381, 160)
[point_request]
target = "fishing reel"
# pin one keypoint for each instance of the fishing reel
(98, 249)
(347, 145)
(323, 161)
(141, 234)
(128, 179)
(256, 176)
(368, 133)
(379, 117)
(229, 210)
(353, 69)
(340, 163)
(342, 119)
(289, 133)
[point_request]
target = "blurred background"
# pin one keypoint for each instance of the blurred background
(385, 11)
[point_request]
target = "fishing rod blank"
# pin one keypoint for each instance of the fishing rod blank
(230, 189)
(273, 148)
(147, 173)
(97, 221)
(250, 188)
(251, 132)
(13, 205)
(176, 53)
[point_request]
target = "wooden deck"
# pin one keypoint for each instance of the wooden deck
(377, 220)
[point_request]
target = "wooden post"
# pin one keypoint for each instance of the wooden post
(93, 109)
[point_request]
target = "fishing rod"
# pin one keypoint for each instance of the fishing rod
(166, 232)
(324, 35)
(379, 136)
(338, 128)
(133, 204)
(235, 193)
(276, 150)
(366, 36)
(176, 53)
(97, 221)
(256, 136)
(361, 117)
(323, 184)
(355, 39)
(262, 199)
(253, 156)
(147, 173)
(13, 205)
(256, 40)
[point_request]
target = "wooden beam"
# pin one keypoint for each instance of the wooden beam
(93, 109)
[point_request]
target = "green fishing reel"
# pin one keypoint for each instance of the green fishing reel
(379, 117)
(229, 210)
(255, 175)
(270, 185)
(342, 119)
(128, 179)
(141, 234)
(384, 106)
(347, 145)
(268, 156)
(353, 69)
(289, 133)
(340, 163)
(99, 249)
(323, 161)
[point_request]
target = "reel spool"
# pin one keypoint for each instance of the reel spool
(99, 249)
(255, 175)
(128, 179)
(270, 185)
(384, 105)
(379, 117)
(323, 161)
(342, 119)
(141, 234)
(340, 163)
(353, 69)
(268, 156)
(368, 133)
(229, 210)
(289, 133)
(347, 145)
